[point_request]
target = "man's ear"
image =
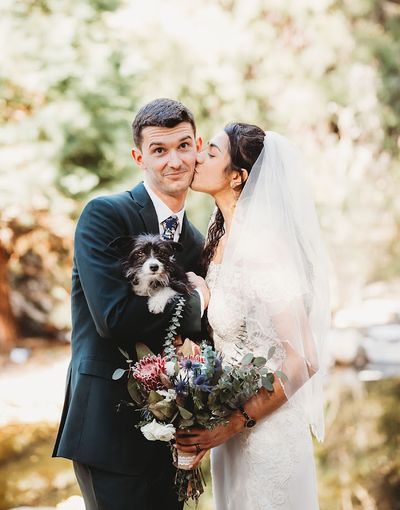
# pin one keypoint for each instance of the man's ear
(199, 143)
(137, 156)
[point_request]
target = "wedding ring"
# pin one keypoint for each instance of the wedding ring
(198, 449)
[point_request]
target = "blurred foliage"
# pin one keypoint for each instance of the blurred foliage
(359, 462)
(324, 72)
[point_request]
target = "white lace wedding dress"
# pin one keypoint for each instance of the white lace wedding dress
(269, 467)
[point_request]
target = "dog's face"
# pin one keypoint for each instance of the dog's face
(149, 263)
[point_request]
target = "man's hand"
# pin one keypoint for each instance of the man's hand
(199, 283)
(186, 348)
(200, 440)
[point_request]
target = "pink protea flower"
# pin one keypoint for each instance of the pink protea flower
(147, 371)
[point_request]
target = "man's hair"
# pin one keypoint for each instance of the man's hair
(160, 113)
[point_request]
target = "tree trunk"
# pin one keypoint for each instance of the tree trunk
(8, 325)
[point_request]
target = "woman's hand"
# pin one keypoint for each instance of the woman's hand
(199, 283)
(200, 440)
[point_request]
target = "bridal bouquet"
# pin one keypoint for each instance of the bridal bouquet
(174, 391)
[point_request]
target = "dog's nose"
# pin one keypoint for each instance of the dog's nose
(154, 267)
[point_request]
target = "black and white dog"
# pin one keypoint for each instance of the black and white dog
(149, 264)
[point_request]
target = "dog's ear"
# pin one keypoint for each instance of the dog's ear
(123, 245)
(176, 246)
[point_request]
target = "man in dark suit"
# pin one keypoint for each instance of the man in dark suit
(116, 467)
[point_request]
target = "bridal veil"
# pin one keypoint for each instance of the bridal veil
(276, 266)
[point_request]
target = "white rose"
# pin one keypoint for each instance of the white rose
(170, 368)
(155, 431)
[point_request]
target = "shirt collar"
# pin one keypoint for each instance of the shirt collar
(162, 210)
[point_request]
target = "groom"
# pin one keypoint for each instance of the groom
(116, 467)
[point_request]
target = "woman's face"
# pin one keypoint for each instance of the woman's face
(210, 175)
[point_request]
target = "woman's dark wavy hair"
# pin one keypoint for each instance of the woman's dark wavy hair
(246, 142)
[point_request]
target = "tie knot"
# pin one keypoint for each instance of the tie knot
(170, 225)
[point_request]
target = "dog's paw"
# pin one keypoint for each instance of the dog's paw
(158, 302)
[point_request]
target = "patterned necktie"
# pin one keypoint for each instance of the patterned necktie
(170, 225)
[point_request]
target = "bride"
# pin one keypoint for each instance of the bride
(267, 273)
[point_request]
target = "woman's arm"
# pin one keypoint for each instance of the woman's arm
(297, 368)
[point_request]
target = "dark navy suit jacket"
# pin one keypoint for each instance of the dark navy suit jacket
(106, 314)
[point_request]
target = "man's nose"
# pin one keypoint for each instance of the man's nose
(174, 161)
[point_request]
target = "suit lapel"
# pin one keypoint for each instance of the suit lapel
(146, 209)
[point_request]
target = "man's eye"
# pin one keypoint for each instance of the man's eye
(159, 150)
(185, 145)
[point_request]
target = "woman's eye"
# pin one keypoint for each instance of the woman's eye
(211, 155)
(159, 150)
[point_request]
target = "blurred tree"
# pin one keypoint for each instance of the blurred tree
(65, 113)
(323, 72)
(8, 326)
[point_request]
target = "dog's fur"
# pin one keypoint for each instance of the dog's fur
(149, 264)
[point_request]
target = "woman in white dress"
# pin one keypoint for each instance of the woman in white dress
(267, 273)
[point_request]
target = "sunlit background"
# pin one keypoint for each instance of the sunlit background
(325, 73)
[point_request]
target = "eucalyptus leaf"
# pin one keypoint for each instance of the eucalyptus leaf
(248, 358)
(259, 361)
(118, 374)
(267, 384)
(271, 351)
(282, 376)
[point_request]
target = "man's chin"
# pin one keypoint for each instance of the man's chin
(179, 187)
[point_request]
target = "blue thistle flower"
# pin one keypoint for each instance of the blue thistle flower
(181, 387)
(187, 364)
(199, 380)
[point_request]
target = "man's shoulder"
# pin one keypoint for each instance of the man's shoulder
(114, 202)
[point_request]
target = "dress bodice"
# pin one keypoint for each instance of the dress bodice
(224, 317)
(230, 324)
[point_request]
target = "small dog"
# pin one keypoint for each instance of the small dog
(149, 264)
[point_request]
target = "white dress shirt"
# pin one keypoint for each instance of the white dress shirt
(163, 212)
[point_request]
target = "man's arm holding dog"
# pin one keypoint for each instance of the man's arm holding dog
(117, 312)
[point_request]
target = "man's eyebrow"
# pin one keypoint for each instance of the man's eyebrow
(214, 145)
(160, 144)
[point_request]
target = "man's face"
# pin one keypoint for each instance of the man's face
(168, 157)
